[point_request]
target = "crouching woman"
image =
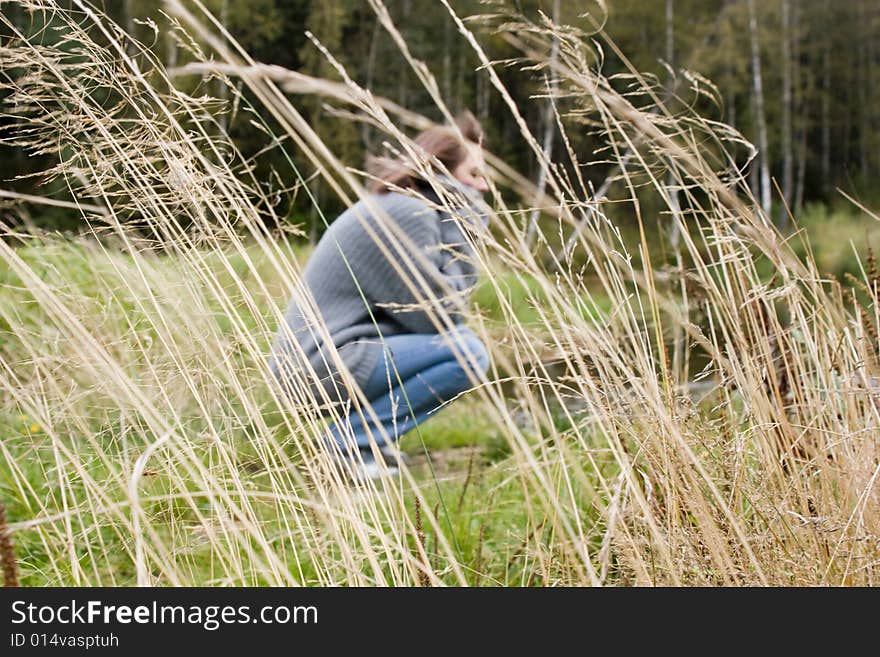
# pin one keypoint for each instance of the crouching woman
(382, 286)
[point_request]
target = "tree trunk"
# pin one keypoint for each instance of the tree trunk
(799, 122)
(864, 129)
(731, 110)
(787, 155)
(671, 187)
(366, 131)
(760, 116)
(549, 131)
(460, 64)
(447, 58)
(222, 91)
(826, 107)
(128, 10)
(170, 49)
(754, 181)
(873, 65)
(402, 95)
(482, 97)
(801, 173)
(731, 95)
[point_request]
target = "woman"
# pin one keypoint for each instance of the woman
(384, 278)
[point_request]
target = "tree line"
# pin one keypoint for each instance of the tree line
(798, 78)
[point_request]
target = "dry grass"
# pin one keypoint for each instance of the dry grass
(154, 450)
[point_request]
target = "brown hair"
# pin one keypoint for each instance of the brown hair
(441, 142)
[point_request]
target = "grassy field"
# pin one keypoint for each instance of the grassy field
(680, 393)
(239, 499)
(67, 447)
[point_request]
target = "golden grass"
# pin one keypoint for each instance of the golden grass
(147, 379)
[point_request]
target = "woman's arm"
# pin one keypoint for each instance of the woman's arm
(403, 272)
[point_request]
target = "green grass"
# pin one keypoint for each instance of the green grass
(465, 469)
(525, 295)
(840, 236)
(471, 484)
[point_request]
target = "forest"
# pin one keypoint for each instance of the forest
(798, 79)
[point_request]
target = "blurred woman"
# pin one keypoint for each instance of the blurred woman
(382, 278)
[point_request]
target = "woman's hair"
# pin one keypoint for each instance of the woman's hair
(441, 142)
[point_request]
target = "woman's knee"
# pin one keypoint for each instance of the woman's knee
(478, 355)
(470, 351)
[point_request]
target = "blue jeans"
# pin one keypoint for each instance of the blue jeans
(431, 374)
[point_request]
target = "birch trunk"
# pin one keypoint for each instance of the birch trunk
(222, 91)
(671, 188)
(549, 132)
(760, 115)
(800, 120)
(787, 155)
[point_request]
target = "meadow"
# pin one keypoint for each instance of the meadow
(691, 410)
(459, 461)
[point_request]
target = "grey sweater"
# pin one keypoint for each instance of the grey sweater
(351, 283)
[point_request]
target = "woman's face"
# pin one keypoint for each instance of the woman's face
(470, 171)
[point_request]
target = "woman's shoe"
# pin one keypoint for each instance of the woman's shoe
(363, 466)
(393, 456)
